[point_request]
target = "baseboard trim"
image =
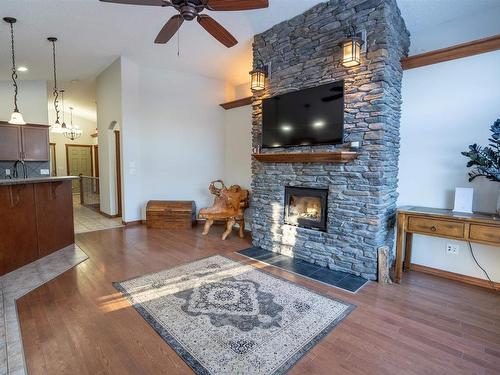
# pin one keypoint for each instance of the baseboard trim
(108, 215)
(455, 276)
(132, 223)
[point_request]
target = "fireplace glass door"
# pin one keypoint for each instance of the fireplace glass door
(306, 207)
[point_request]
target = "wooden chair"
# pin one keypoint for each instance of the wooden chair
(229, 205)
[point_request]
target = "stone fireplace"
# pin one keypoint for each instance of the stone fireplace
(306, 207)
(360, 202)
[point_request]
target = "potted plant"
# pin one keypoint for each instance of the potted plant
(485, 161)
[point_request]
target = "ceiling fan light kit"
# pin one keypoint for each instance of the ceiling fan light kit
(16, 117)
(191, 9)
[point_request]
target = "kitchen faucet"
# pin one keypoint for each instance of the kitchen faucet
(14, 172)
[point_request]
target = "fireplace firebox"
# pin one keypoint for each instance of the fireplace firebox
(306, 207)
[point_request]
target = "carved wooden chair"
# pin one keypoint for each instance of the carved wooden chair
(229, 205)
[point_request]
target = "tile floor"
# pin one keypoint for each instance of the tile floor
(342, 280)
(87, 220)
(16, 284)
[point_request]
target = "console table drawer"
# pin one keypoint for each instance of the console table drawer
(484, 233)
(437, 227)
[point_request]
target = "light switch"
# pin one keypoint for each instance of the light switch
(44, 172)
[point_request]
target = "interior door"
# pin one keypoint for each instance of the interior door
(79, 160)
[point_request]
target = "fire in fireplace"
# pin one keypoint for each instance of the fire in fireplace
(306, 207)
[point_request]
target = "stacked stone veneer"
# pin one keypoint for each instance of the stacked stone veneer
(303, 53)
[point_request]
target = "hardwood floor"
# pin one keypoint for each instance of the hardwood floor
(79, 324)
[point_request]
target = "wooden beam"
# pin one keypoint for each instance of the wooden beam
(307, 157)
(451, 53)
(237, 103)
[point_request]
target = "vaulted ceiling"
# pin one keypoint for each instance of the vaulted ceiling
(92, 34)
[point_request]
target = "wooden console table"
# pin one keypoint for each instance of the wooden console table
(477, 227)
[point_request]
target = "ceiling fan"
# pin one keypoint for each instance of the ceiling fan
(191, 9)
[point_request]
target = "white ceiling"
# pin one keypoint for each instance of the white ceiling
(92, 34)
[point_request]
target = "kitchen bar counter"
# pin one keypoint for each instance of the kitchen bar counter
(36, 219)
(34, 180)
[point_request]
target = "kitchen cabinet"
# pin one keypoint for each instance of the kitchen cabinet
(35, 143)
(26, 142)
(18, 242)
(54, 216)
(10, 142)
(37, 219)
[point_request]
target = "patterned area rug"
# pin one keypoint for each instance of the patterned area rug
(225, 317)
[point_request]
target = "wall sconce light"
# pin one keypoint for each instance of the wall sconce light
(258, 76)
(351, 50)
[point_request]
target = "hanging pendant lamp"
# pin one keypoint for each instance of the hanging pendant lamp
(16, 117)
(72, 132)
(63, 123)
(57, 126)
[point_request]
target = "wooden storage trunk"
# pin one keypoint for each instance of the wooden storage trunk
(170, 214)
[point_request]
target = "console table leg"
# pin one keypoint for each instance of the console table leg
(408, 242)
(398, 267)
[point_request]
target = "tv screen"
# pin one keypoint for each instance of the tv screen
(312, 116)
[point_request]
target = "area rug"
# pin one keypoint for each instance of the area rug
(225, 317)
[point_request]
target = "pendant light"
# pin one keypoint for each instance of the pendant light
(72, 131)
(63, 124)
(16, 117)
(57, 126)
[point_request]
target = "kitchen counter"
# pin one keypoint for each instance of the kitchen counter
(34, 180)
(36, 215)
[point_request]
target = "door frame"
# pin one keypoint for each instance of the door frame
(91, 157)
(118, 172)
(96, 160)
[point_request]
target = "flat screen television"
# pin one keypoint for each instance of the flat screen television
(313, 116)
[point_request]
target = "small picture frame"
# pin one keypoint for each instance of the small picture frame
(463, 200)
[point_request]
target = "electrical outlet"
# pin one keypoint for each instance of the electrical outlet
(44, 172)
(452, 249)
(7, 172)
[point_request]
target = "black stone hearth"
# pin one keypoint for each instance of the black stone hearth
(338, 279)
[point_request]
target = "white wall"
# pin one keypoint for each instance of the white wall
(32, 101)
(238, 146)
(445, 108)
(109, 110)
(172, 137)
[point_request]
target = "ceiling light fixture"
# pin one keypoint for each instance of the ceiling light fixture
(72, 131)
(351, 49)
(22, 69)
(16, 117)
(57, 126)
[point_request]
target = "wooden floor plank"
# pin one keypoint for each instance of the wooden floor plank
(78, 323)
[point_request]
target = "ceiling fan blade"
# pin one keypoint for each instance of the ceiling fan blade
(169, 30)
(229, 5)
(217, 31)
(159, 3)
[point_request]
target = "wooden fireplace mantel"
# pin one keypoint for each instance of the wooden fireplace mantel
(307, 157)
